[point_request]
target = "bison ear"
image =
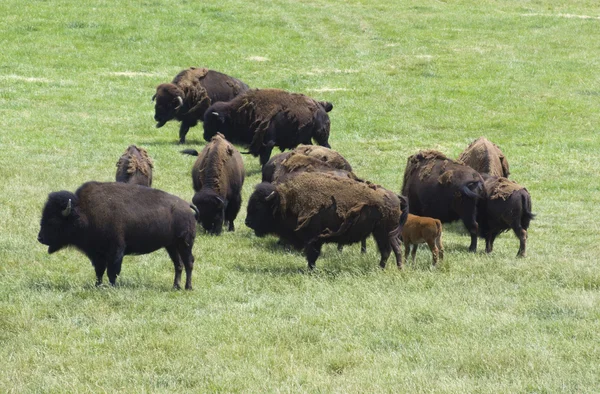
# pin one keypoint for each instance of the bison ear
(403, 202)
(327, 106)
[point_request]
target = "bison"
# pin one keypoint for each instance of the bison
(507, 206)
(419, 230)
(318, 158)
(265, 118)
(444, 189)
(217, 177)
(109, 220)
(135, 166)
(485, 157)
(190, 93)
(311, 209)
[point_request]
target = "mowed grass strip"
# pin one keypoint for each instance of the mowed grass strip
(76, 81)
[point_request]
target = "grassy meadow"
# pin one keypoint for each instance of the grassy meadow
(76, 79)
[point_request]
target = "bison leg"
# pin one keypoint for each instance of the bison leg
(434, 250)
(413, 254)
(438, 242)
(471, 224)
(395, 243)
(100, 267)
(522, 234)
(174, 255)
(312, 251)
(340, 247)
(183, 130)
(489, 241)
(114, 268)
(363, 246)
(233, 208)
(185, 252)
(385, 248)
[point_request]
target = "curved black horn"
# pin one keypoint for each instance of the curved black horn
(67, 211)
(154, 97)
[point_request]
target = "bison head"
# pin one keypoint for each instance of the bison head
(262, 207)
(60, 221)
(211, 210)
(217, 120)
(169, 99)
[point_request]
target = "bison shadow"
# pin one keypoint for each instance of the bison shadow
(188, 143)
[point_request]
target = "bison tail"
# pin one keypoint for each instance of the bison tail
(527, 215)
(191, 152)
(472, 189)
(196, 212)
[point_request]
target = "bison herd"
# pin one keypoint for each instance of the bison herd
(308, 196)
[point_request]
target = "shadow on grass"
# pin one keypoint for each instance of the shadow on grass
(189, 144)
(66, 286)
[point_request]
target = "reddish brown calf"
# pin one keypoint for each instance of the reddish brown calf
(420, 229)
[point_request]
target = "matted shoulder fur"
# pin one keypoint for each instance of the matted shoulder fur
(423, 160)
(485, 157)
(135, 166)
(327, 155)
(297, 162)
(500, 187)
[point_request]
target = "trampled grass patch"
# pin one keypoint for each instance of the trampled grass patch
(76, 81)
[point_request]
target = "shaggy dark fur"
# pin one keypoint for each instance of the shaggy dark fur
(507, 206)
(218, 177)
(135, 166)
(444, 189)
(485, 157)
(311, 209)
(265, 118)
(191, 92)
(109, 220)
(279, 164)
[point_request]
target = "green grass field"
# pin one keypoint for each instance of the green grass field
(76, 79)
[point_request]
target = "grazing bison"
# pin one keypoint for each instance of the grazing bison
(281, 163)
(315, 208)
(190, 93)
(135, 166)
(485, 157)
(218, 177)
(264, 118)
(419, 230)
(444, 189)
(507, 206)
(109, 220)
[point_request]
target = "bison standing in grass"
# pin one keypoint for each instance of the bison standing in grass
(419, 230)
(485, 157)
(311, 209)
(265, 118)
(135, 166)
(507, 206)
(109, 220)
(218, 177)
(444, 189)
(190, 93)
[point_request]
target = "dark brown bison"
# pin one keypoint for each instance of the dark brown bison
(264, 118)
(135, 166)
(444, 189)
(319, 159)
(507, 206)
(109, 220)
(311, 209)
(485, 157)
(217, 177)
(190, 93)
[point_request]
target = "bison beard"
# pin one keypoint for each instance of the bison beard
(109, 220)
(316, 208)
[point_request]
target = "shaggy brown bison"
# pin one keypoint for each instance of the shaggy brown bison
(109, 220)
(419, 230)
(485, 157)
(444, 189)
(217, 177)
(507, 206)
(135, 166)
(311, 209)
(264, 118)
(190, 93)
(319, 159)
